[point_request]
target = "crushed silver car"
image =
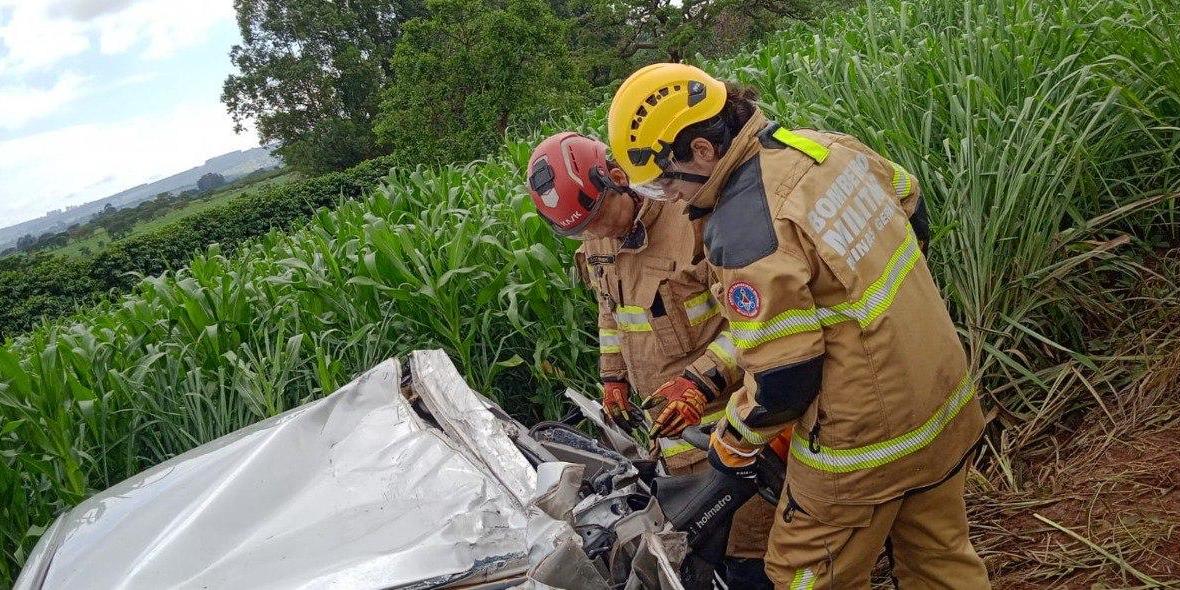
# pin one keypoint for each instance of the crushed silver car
(387, 483)
(404, 478)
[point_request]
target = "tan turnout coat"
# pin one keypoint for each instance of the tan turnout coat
(657, 320)
(826, 289)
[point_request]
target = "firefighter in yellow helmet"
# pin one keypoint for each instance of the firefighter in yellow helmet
(842, 332)
(660, 326)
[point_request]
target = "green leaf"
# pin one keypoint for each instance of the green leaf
(11, 426)
(512, 362)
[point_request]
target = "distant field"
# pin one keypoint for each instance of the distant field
(99, 239)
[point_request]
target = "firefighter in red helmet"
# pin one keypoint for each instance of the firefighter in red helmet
(660, 330)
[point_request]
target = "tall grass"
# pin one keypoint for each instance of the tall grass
(1045, 135)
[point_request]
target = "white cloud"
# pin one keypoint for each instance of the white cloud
(162, 26)
(20, 103)
(83, 10)
(33, 39)
(38, 34)
(78, 164)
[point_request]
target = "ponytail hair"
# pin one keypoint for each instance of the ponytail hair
(720, 129)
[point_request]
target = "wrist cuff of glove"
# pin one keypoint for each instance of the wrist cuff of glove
(729, 455)
(746, 472)
(614, 379)
(700, 385)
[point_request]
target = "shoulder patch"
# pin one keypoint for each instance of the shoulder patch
(741, 231)
(744, 299)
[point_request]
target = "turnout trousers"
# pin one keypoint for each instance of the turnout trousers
(818, 547)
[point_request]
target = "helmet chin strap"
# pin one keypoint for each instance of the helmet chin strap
(638, 200)
(635, 197)
(685, 176)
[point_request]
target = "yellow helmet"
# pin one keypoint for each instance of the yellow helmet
(651, 107)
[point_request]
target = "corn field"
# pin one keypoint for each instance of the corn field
(1046, 136)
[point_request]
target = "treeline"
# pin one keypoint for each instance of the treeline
(119, 222)
(46, 285)
(116, 222)
(441, 81)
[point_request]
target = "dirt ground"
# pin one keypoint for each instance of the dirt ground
(1085, 494)
(1121, 496)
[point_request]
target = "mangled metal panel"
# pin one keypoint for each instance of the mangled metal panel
(618, 439)
(555, 549)
(350, 491)
(656, 564)
(468, 417)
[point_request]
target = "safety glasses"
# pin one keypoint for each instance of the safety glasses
(660, 189)
(603, 182)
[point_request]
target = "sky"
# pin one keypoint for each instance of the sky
(97, 96)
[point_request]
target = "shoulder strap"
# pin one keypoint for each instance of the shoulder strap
(775, 133)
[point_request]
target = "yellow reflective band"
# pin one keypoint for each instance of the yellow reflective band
(803, 579)
(875, 301)
(902, 181)
(879, 295)
(609, 341)
(723, 348)
(713, 418)
(747, 335)
(701, 307)
(749, 436)
(671, 450)
(632, 318)
(813, 149)
(875, 455)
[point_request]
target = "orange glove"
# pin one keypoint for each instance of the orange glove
(616, 403)
(677, 405)
(731, 455)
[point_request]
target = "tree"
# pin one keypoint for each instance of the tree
(48, 240)
(210, 181)
(711, 27)
(612, 38)
(315, 77)
(310, 73)
(471, 69)
(119, 227)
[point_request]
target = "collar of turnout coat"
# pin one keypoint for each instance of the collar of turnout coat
(739, 151)
(636, 239)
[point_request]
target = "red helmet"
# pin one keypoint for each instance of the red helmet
(567, 179)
